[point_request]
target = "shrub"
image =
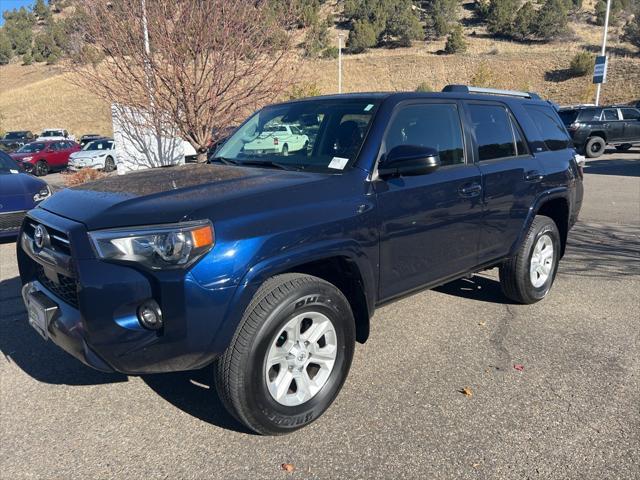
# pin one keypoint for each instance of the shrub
(441, 14)
(17, 26)
(6, 52)
(424, 87)
(304, 90)
(482, 77)
(552, 19)
(617, 7)
(632, 29)
(27, 59)
(83, 176)
(524, 21)
(362, 37)
(330, 52)
(582, 64)
(501, 16)
(455, 41)
(316, 39)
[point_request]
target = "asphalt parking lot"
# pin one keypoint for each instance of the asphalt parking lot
(571, 410)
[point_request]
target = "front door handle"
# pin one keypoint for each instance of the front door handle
(470, 190)
(533, 176)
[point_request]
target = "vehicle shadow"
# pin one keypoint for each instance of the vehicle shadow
(194, 393)
(614, 166)
(478, 288)
(42, 360)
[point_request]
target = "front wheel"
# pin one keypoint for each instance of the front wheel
(290, 356)
(41, 168)
(109, 164)
(528, 276)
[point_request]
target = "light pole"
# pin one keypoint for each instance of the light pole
(340, 37)
(604, 48)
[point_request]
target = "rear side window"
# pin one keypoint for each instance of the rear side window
(589, 115)
(496, 135)
(551, 130)
(630, 114)
(429, 125)
(610, 114)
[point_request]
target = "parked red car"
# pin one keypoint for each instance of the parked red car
(41, 158)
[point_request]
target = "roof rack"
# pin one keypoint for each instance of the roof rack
(490, 91)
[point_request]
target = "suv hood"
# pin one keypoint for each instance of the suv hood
(167, 195)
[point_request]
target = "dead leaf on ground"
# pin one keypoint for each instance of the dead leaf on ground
(467, 392)
(288, 467)
(519, 367)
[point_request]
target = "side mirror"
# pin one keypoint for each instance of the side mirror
(409, 160)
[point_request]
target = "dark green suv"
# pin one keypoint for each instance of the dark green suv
(593, 128)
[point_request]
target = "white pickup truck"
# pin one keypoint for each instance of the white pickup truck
(280, 139)
(55, 134)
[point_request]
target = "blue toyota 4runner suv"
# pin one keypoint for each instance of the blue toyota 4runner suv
(269, 262)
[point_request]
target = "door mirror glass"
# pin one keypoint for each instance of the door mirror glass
(409, 160)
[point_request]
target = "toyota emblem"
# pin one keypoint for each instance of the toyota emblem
(41, 236)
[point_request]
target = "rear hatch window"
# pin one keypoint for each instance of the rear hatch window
(568, 116)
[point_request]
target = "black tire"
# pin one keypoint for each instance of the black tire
(624, 147)
(109, 164)
(41, 168)
(515, 278)
(240, 372)
(595, 147)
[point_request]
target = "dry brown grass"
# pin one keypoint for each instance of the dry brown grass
(38, 96)
(82, 176)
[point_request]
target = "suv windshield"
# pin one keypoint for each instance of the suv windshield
(32, 148)
(316, 135)
(15, 135)
(52, 133)
(99, 145)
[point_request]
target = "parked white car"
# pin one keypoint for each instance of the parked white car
(99, 154)
(280, 139)
(55, 134)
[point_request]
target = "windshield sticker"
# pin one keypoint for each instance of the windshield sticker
(338, 163)
(368, 107)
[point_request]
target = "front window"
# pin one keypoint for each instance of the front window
(98, 145)
(32, 148)
(316, 135)
(52, 133)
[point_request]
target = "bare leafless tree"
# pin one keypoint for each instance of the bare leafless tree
(198, 66)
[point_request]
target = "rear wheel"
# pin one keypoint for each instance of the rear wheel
(529, 275)
(595, 147)
(290, 355)
(41, 168)
(109, 164)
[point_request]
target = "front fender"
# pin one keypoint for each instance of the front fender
(287, 262)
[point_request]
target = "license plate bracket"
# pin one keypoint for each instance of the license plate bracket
(41, 310)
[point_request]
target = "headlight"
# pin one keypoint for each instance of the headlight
(156, 247)
(45, 192)
(26, 159)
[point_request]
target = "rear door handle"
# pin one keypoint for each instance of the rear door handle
(533, 176)
(470, 190)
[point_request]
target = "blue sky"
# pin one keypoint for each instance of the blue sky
(11, 4)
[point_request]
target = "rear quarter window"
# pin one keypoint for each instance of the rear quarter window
(552, 131)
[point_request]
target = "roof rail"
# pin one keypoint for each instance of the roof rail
(490, 91)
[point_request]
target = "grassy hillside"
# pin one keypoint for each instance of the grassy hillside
(37, 96)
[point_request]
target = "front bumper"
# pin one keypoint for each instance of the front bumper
(96, 316)
(77, 166)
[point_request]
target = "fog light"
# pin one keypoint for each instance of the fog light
(150, 315)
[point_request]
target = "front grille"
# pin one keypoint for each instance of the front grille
(59, 239)
(11, 221)
(66, 288)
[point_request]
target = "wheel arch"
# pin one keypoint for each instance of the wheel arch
(598, 133)
(554, 204)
